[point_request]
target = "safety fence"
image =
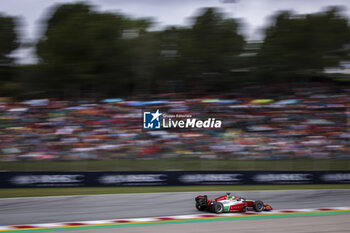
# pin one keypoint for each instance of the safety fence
(170, 178)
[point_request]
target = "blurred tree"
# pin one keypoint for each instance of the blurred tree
(8, 39)
(213, 49)
(203, 55)
(142, 51)
(84, 51)
(303, 45)
(170, 66)
(8, 43)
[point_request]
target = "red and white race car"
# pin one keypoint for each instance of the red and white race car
(229, 203)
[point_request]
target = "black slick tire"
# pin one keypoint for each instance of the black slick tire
(258, 206)
(218, 208)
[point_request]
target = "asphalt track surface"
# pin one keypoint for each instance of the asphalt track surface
(312, 224)
(17, 211)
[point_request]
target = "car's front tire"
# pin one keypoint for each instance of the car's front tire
(258, 206)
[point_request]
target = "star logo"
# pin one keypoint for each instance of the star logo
(151, 120)
(156, 115)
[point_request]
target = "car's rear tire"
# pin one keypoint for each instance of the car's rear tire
(218, 208)
(201, 202)
(199, 207)
(258, 206)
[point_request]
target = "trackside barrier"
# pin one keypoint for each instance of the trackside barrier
(169, 178)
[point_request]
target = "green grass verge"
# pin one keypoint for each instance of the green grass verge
(38, 192)
(176, 164)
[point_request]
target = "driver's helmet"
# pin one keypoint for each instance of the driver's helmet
(229, 197)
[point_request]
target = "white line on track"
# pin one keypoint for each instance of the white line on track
(164, 218)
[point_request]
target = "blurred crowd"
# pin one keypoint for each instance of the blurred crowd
(259, 122)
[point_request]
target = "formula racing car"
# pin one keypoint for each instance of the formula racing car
(228, 203)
